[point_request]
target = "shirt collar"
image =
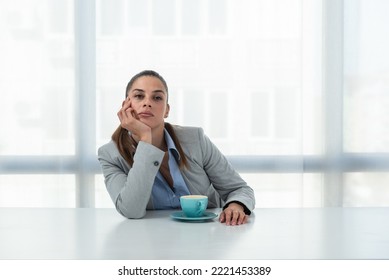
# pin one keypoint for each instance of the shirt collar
(171, 146)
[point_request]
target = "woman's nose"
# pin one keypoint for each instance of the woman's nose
(147, 102)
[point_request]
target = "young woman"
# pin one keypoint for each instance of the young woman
(150, 163)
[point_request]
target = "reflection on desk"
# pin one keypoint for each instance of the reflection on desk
(314, 233)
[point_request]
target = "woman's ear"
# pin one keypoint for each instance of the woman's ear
(167, 111)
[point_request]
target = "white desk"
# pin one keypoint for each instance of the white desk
(318, 233)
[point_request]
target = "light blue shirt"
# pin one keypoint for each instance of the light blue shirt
(162, 195)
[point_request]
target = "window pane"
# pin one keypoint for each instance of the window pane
(37, 78)
(37, 191)
(111, 17)
(137, 13)
(286, 114)
(108, 104)
(218, 115)
(59, 15)
(260, 112)
(366, 81)
(286, 190)
(217, 16)
(193, 107)
(366, 189)
(102, 198)
(164, 15)
(191, 17)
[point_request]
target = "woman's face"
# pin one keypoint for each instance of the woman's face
(149, 99)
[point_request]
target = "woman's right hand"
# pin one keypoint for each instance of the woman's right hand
(129, 120)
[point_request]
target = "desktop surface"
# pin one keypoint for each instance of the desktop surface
(293, 233)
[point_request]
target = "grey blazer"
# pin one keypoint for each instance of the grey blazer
(209, 174)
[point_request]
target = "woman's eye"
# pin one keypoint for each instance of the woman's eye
(138, 96)
(158, 98)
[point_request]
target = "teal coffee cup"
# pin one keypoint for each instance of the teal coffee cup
(194, 205)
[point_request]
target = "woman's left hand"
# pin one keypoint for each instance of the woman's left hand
(233, 215)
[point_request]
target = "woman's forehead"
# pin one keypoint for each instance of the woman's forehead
(147, 82)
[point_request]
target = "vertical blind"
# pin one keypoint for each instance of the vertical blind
(294, 93)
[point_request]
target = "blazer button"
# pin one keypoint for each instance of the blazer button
(156, 163)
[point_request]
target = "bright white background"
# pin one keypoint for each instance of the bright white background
(294, 92)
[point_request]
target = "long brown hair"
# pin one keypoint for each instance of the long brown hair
(127, 145)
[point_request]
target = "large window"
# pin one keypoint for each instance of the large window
(293, 92)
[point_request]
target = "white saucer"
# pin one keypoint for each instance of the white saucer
(181, 216)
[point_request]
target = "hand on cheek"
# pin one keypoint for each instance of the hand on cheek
(129, 120)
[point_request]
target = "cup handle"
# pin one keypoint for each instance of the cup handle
(200, 206)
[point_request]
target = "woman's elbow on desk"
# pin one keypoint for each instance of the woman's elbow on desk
(131, 214)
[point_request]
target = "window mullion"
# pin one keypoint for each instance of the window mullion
(85, 80)
(333, 100)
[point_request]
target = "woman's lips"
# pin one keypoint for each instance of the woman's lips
(145, 114)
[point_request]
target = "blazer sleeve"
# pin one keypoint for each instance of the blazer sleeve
(130, 188)
(226, 181)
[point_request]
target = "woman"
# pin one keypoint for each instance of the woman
(149, 163)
